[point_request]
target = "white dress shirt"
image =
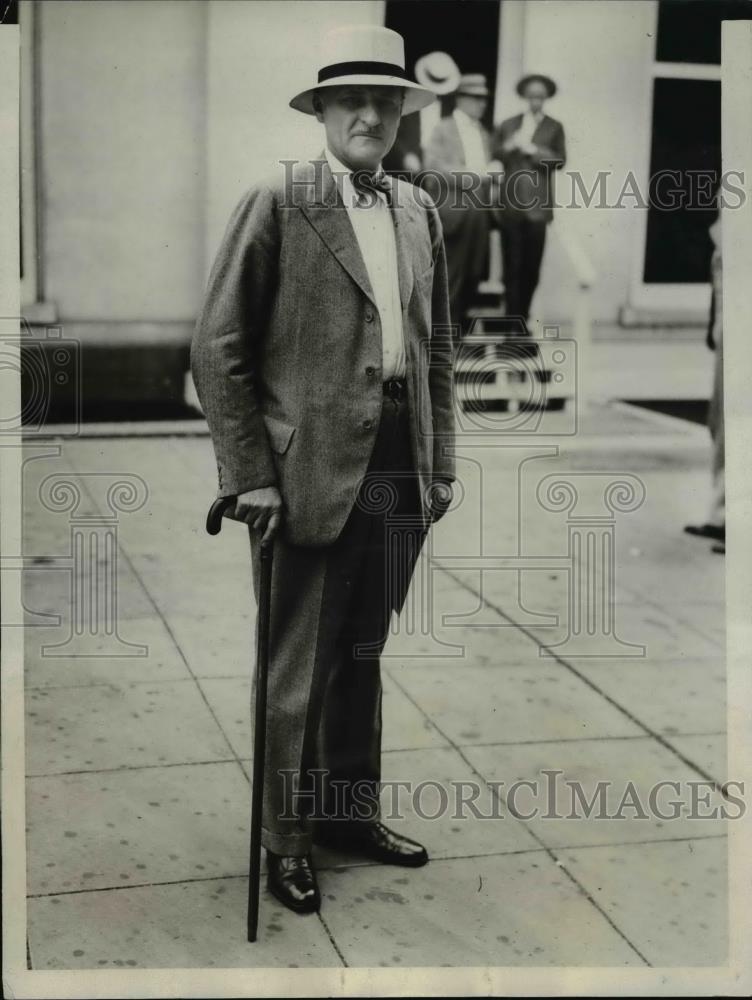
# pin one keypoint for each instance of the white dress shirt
(472, 142)
(374, 231)
(529, 124)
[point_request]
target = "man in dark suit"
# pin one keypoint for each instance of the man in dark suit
(322, 358)
(531, 147)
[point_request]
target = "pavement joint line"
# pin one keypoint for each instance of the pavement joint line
(118, 685)
(330, 935)
(575, 739)
(474, 770)
(338, 866)
(449, 746)
(151, 680)
(588, 895)
(640, 843)
(377, 866)
(141, 767)
(594, 687)
(164, 621)
(134, 885)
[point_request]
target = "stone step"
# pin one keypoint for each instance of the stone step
(75, 372)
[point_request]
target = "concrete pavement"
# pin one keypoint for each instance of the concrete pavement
(138, 745)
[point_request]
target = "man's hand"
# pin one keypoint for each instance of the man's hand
(440, 496)
(262, 509)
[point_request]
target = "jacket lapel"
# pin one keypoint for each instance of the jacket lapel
(542, 124)
(329, 218)
(405, 273)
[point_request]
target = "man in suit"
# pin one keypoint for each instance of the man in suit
(459, 145)
(322, 358)
(531, 147)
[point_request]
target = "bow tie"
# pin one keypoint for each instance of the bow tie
(366, 185)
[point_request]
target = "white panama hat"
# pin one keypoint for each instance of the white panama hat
(364, 55)
(439, 72)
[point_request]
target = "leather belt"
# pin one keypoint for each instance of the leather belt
(396, 389)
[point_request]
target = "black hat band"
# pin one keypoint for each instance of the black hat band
(363, 68)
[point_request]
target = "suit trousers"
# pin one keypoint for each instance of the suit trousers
(466, 241)
(330, 613)
(522, 243)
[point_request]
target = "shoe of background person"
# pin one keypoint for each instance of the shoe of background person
(706, 531)
(373, 840)
(720, 548)
(292, 881)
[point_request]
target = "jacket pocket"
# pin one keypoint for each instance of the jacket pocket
(280, 434)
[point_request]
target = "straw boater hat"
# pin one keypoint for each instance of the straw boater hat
(473, 84)
(365, 55)
(439, 72)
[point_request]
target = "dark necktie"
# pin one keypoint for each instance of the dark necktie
(367, 185)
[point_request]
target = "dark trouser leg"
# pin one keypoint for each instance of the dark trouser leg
(466, 243)
(349, 738)
(533, 244)
(511, 254)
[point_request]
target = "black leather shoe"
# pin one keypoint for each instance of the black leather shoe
(293, 882)
(374, 840)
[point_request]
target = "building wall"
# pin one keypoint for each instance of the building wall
(122, 136)
(155, 116)
(599, 54)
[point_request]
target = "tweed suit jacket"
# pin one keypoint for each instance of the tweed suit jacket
(528, 180)
(286, 355)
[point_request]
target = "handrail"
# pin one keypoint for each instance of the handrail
(575, 254)
(585, 276)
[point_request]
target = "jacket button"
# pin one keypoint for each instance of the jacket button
(368, 424)
(370, 371)
(369, 316)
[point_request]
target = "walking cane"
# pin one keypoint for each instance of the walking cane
(214, 526)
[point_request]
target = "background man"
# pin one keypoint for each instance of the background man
(530, 146)
(323, 361)
(460, 142)
(715, 527)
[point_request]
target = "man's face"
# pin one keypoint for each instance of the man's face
(361, 122)
(535, 95)
(471, 105)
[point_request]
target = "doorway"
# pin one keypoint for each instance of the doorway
(467, 29)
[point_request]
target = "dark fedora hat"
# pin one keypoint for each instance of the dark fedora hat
(547, 82)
